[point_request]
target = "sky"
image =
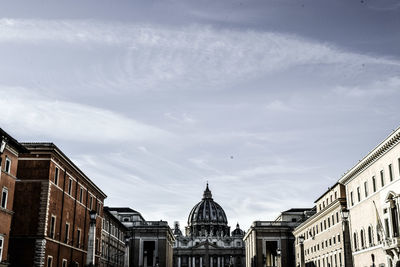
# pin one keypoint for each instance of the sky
(270, 101)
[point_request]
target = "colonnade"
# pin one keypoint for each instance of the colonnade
(215, 261)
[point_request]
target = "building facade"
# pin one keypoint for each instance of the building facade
(53, 201)
(323, 239)
(113, 247)
(208, 241)
(9, 151)
(150, 243)
(373, 190)
(271, 243)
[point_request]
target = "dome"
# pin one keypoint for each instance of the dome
(207, 217)
(238, 231)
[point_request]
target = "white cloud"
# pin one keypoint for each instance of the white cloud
(379, 88)
(23, 111)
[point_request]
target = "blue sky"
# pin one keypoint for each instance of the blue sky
(270, 101)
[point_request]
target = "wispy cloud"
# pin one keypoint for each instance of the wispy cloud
(24, 111)
(187, 58)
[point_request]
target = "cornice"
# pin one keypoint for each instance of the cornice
(387, 144)
(337, 203)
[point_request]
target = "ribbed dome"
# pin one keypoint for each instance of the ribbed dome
(208, 217)
(238, 231)
(207, 211)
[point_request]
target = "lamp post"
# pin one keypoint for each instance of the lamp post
(90, 258)
(302, 260)
(348, 257)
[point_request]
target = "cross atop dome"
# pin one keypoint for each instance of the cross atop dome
(207, 193)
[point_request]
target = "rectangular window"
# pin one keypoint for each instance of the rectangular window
(78, 238)
(90, 202)
(7, 168)
(49, 261)
(387, 227)
(4, 197)
(373, 183)
(1, 246)
(70, 186)
(64, 263)
(338, 238)
(52, 226)
(358, 194)
(337, 217)
(390, 172)
(382, 179)
(351, 198)
(333, 219)
(335, 195)
(366, 189)
(398, 163)
(81, 195)
(66, 233)
(56, 176)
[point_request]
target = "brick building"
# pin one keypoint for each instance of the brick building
(113, 248)
(53, 198)
(10, 148)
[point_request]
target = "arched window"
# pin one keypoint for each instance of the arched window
(355, 241)
(370, 239)
(378, 236)
(362, 239)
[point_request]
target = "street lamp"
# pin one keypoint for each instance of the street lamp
(90, 258)
(348, 257)
(278, 254)
(302, 260)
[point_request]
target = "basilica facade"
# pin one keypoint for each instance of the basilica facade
(208, 241)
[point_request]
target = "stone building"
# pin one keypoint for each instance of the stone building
(271, 243)
(373, 190)
(324, 239)
(207, 240)
(113, 247)
(53, 200)
(150, 242)
(9, 151)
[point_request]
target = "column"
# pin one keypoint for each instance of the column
(211, 261)
(201, 261)
(179, 261)
(223, 261)
(194, 261)
(190, 261)
(219, 261)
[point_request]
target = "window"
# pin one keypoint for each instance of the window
(52, 226)
(370, 235)
(1, 246)
(335, 194)
(4, 196)
(66, 233)
(8, 165)
(398, 162)
(90, 202)
(69, 186)
(390, 172)
(387, 227)
(78, 238)
(337, 217)
(56, 176)
(64, 263)
(49, 261)
(362, 239)
(355, 241)
(373, 183)
(351, 198)
(81, 195)
(358, 194)
(366, 189)
(382, 179)
(338, 238)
